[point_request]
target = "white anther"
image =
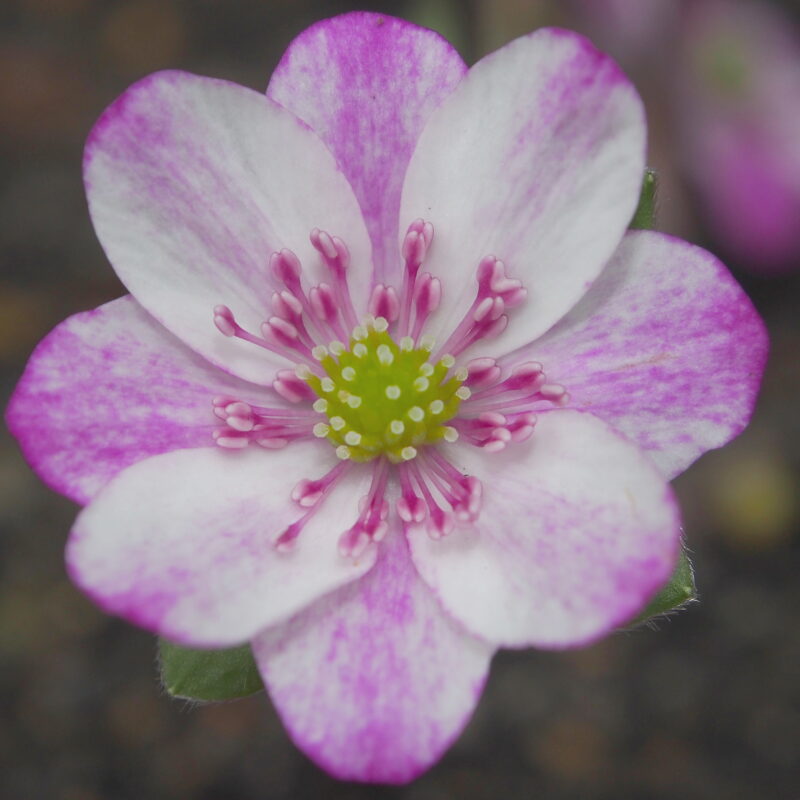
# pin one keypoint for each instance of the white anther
(407, 453)
(327, 385)
(393, 392)
(436, 407)
(337, 423)
(343, 394)
(353, 438)
(447, 360)
(231, 442)
(449, 433)
(396, 427)
(427, 343)
(320, 406)
(463, 393)
(426, 369)
(336, 347)
(343, 452)
(421, 384)
(360, 350)
(406, 344)
(319, 352)
(354, 401)
(381, 324)
(359, 333)
(416, 414)
(321, 430)
(385, 355)
(302, 372)
(462, 373)
(349, 374)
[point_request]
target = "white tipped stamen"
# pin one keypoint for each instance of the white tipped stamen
(327, 384)
(354, 401)
(343, 452)
(397, 427)
(407, 453)
(416, 414)
(359, 333)
(436, 407)
(381, 325)
(319, 352)
(349, 374)
(360, 350)
(407, 344)
(426, 369)
(321, 430)
(427, 343)
(422, 384)
(385, 355)
(352, 438)
(462, 373)
(447, 360)
(336, 347)
(321, 405)
(337, 423)
(449, 433)
(393, 392)
(302, 372)
(463, 393)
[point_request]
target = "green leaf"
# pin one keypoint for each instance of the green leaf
(645, 217)
(208, 674)
(679, 591)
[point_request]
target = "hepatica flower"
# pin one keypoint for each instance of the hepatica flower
(393, 387)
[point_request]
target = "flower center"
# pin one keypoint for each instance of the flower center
(381, 397)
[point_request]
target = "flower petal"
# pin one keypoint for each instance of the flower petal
(374, 682)
(666, 347)
(536, 158)
(366, 84)
(578, 530)
(192, 184)
(182, 543)
(109, 387)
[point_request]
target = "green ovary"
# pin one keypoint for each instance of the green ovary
(383, 398)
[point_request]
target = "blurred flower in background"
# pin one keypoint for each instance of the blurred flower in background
(727, 74)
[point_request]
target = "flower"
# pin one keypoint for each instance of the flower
(727, 72)
(311, 472)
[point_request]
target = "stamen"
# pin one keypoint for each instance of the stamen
(371, 525)
(309, 494)
(336, 257)
(384, 303)
(415, 246)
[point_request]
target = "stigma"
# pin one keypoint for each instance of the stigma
(384, 398)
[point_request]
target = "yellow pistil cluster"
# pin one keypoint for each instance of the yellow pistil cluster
(380, 397)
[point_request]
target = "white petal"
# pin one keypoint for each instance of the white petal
(374, 681)
(366, 84)
(192, 184)
(182, 543)
(666, 347)
(536, 158)
(578, 530)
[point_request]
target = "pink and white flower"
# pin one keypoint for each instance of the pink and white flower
(393, 387)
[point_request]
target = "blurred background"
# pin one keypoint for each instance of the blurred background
(707, 706)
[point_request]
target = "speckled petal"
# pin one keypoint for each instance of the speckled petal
(374, 682)
(183, 543)
(578, 530)
(192, 184)
(366, 84)
(666, 347)
(536, 158)
(109, 387)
